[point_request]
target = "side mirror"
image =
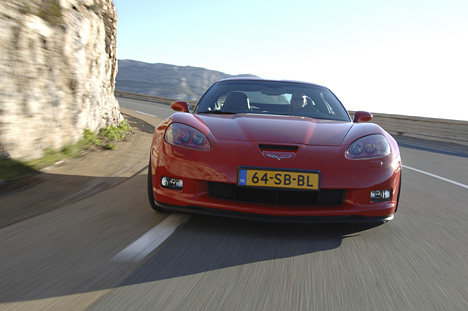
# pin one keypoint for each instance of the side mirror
(180, 106)
(362, 116)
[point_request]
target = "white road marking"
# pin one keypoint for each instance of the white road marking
(151, 240)
(151, 115)
(143, 246)
(436, 176)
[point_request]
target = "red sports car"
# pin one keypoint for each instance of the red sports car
(281, 151)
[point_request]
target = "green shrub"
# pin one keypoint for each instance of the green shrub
(50, 157)
(112, 134)
(104, 139)
(9, 168)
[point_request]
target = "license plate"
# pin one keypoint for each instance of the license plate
(253, 177)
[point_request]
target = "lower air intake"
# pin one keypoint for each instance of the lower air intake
(276, 197)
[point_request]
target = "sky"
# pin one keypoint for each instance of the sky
(407, 57)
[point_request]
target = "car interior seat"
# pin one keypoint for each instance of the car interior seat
(236, 102)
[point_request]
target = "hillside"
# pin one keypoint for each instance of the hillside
(178, 82)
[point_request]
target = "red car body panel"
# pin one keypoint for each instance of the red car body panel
(235, 139)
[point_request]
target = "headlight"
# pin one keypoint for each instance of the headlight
(186, 136)
(368, 147)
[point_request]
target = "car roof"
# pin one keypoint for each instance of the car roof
(269, 80)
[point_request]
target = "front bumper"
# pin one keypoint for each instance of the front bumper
(198, 170)
(192, 209)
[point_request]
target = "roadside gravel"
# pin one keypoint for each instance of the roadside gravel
(74, 179)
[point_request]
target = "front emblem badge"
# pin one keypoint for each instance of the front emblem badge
(278, 157)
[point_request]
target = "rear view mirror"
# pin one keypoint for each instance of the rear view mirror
(180, 106)
(362, 116)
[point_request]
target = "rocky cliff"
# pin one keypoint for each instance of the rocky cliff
(57, 73)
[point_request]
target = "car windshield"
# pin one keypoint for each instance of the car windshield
(272, 97)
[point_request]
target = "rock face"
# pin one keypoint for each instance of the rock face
(57, 73)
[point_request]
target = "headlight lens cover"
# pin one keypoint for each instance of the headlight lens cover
(368, 147)
(182, 135)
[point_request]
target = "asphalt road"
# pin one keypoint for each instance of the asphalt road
(76, 257)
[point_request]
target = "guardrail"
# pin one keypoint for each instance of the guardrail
(450, 131)
(151, 98)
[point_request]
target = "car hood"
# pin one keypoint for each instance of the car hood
(276, 129)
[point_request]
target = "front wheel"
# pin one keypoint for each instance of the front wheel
(150, 192)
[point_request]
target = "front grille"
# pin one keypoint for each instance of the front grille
(278, 147)
(276, 197)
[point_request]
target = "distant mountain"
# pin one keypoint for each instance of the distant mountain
(177, 82)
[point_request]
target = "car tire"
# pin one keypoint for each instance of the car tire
(150, 192)
(399, 191)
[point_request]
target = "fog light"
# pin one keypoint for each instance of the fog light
(380, 195)
(172, 183)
